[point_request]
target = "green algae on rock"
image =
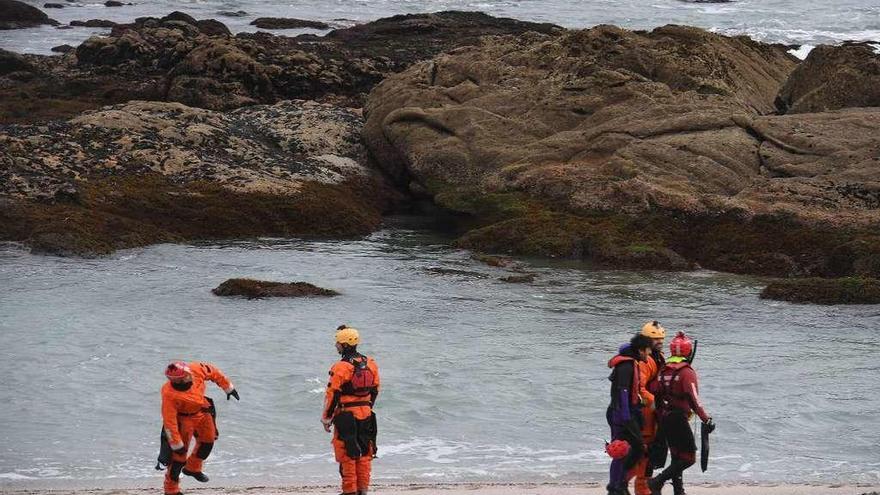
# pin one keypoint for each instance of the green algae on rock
(847, 290)
(118, 213)
(149, 172)
(257, 289)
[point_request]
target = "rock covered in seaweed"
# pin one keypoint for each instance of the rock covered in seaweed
(287, 23)
(149, 172)
(258, 289)
(847, 290)
(271, 149)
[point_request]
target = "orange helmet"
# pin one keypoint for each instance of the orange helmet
(653, 330)
(177, 369)
(347, 335)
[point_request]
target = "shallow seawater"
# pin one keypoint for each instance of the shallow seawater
(483, 380)
(805, 22)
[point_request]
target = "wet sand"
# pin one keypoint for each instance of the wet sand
(472, 489)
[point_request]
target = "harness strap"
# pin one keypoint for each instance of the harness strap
(204, 410)
(356, 404)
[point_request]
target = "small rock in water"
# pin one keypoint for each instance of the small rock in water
(99, 23)
(287, 23)
(255, 289)
(62, 48)
(113, 3)
(53, 6)
(229, 13)
(452, 271)
(519, 279)
(497, 261)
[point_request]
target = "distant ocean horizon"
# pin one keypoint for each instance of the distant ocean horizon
(805, 22)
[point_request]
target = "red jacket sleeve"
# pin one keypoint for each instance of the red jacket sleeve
(690, 387)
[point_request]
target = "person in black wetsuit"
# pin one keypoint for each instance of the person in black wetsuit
(624, 413)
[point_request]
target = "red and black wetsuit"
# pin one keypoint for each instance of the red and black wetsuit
(677, 395)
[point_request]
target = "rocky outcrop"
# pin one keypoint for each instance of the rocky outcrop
(271, 149)
(641, 150)
(258, 289)
(196, 62)
(825, 291)
(18, 15)
(831, 78)
(94, 23)
(150, 172)
(14, 63)
(287, 23)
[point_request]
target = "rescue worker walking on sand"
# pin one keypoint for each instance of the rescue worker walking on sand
(677, 398)
(187, 413)
(649, 370)
(624, 413)
(348, 408)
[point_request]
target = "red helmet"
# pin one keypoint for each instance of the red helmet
(177, 369)
(681, 345)
(617, 449)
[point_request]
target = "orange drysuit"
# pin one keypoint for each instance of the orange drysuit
(186, 413)
(341, 398)
(648, 371)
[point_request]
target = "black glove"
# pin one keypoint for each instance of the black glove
(710, 425)
(233, 393)
(180, 451)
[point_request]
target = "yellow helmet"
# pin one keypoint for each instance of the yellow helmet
(653, 330)
(347, 335)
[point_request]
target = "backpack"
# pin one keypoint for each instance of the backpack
(363, 381)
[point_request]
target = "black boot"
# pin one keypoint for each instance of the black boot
(656, 485)
(678, 485)
(676, 467)
(613, 490)
(199, 476)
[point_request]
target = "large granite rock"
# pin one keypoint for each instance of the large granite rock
(833, 77)
(151, 171)
(18, 15)
(634, 149)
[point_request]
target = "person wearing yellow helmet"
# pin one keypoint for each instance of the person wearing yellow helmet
(348, 411)
(649, 370)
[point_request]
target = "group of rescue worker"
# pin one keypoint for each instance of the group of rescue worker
(652, 401)
(351, 393)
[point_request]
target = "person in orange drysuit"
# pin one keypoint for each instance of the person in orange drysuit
(187, 413)
(348, 408)
(649, 370)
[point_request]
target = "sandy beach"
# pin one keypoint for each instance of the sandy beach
(479, 489)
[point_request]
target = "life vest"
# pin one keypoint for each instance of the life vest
(363, 381)
(634, 398)
(664, 399)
